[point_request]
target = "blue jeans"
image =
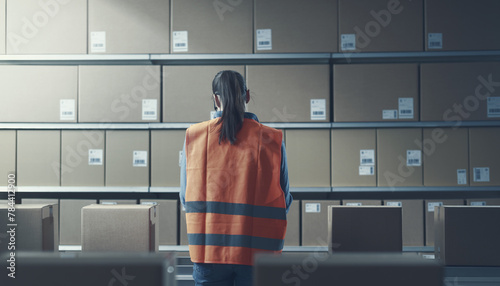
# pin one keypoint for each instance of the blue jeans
(222, 274)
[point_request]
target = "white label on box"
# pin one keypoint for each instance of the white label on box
(481, 174)
(98, 42)
(313, 208)
(140, 158)
(149, 109)
(213, 114)
(348, 42)
(366, 170)
(264, 39)
(95, 157)
(413, 158)
(435, 41)
(318, 109)
(354, 204)
(67, 109)
(394, 204)
(180, 158)
(389, 114)
(367, 157)
(478, 204)
(494, 107)
(430, 206)
(462, 177)
(406, 108)
(180, 41)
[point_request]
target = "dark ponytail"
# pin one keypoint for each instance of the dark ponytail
(230, 87)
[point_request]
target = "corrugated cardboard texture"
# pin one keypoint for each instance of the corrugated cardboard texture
(116, 93)
(108, 228)
(315, 222)
(308, 157)
(75, 167)
(120, 146)
(55, 213)
(362, 202)
(71, 220)
(187, 92)
(284, 93)
(7, 153)
(429, 217)
(486, 202)
(34, 93)
(413, 221)
(292, 237)
(214, 27)
(165, 157)
(382, 26)
(445, 151)
(131, 26)
(346, 147)
(362, 92)
(483, 146)
(167, 211)
(392, 163)
(298, 26)
(465, 25)
(2, 27)
(38, 158)
(457, 92)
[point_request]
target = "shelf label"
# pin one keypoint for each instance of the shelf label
(435, 41)
(367, 157)
(180, 41)
(149, 109)
(348, 42)
(354, 204)
(140, 158)
(394, 204)
(313, 208)
(430, 206)
(413, 158)
(462, 177)
(389, 114)
(366, 170)
(494, 107)
(318, 109)
(406, 108)
(67, 109)
(482, 174)
(264, 39)
(98, 42)
(478, 204)
(95, 157)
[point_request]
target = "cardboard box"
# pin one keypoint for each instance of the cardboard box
(188, 100)
(296, 26)
(462, 241)
(429, 216)
(285, 93)
(46, 27)
(315, 222)
(119, 94)
(166, 146)
(2, 27)
(35, 227)
(7, 153)
(456, 92)
(308, 157)
(354, 158)
(360, 203)
(212, 27)
(38, 158)
(127, 158)
(55, 213)
(483, 202)
(38, 93)
(380, 26)
(375, 92)
(365, 229)
(292, 237)
(129, 27)
(413, 221)
(82, 158)
(167, 220)
(484, 161)
(71, 220)
(107, 228)
(446, 18)
(446, 160)
(399, 153)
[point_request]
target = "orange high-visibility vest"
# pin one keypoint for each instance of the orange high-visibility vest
(235, 206)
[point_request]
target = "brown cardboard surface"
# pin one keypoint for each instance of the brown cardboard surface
(283, 93)
(413, 221)
(55, 213)
(120, 148)
(76, 169)
(214, 27)
(167, 211)
(448, 17)
(107, 228)
(457, 92)
(483, 152)
(48, 27)
(131, 27)
(484, 202)
(365, 229)
(346, 149)
(382, 26)
(71, 220)
(2, 27)
(392, 148)
(298, 26)
(362, 92)
(7, 153)
(361, 202)
(445, 151)
(429, 217)
(308, 157)
(34, 93)
(116, 93)
(166, 146)
(292, 237)
(38, 158)
(315, 222)
(187, 92)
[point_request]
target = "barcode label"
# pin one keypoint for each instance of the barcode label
(98, 42)
(313, 208)
(348, 42)
(95, 157)
(366, 170)
(430, 206)
(367, 157)
(354, 204)
(67, 113)
(264, 39)
(435, 40)
(478, 204)
(481, 174)
(462, 177)
(394, 204)
(180, 41)
(264, 43)
(149, 107)
(98, 45)
(406, 108)
(94, 160)
(494, 107)
(177, 45)
(413, 158)
(140, 158)
(318, 109)
(318, 113)
(389, 114)
(366, 161)
(67, 109)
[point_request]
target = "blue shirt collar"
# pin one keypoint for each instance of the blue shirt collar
(247, 115)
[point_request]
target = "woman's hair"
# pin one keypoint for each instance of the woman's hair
(231, 88)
